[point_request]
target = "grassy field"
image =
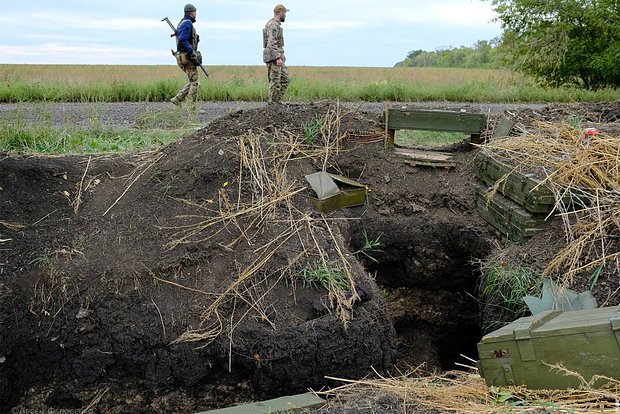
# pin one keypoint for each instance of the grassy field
(108, 83)
(153, 128)
(101, 83)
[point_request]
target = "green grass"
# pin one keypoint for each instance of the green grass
(103, 83)
(312, 129)
(19, 134)
(329, 278)
(507, 285)
(370, 246)
(414, 138)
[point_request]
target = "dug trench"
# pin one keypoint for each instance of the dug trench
(189, 278)
(429, 278)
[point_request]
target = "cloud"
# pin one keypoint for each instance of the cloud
(54, 53)
(445, 13)
(321, 32)
(73, 21)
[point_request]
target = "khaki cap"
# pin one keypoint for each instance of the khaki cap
(279, 8)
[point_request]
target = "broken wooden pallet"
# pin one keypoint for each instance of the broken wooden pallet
(421, 158)
(364, 137)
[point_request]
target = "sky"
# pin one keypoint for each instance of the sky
(317, 32)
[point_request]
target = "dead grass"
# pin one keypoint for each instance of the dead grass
(12, 226)
(583, 172)
(264, 199)
(80, 74)
(466, 393)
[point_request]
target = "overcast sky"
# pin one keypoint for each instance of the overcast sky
(317, 32)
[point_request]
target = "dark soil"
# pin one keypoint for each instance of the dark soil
(93, 295)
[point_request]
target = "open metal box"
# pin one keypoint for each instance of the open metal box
(335, 191)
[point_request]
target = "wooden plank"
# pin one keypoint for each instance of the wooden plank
(428, 163)
(289, 404)
(436, 121)
(425, 155)
(389, 138)
(503, 129)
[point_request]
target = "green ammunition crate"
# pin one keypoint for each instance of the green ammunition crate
(509, 218)
(524, 189)
(349, 194)
(586, 342)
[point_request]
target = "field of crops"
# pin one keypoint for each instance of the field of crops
(113, 83)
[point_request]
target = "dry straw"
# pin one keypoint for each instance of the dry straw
(466, 393)
(264, 197)
(583, 172)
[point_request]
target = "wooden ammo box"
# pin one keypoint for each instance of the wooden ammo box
(524, 189)
(586, 342)
(509, 218)
(449, 121)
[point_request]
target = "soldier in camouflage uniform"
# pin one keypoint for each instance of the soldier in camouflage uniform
(273, 54)
(188, 57)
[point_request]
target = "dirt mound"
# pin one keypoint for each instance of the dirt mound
(184, 268)
(200, 275)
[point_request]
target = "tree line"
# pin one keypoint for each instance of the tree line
(557, 42)
(484, 54)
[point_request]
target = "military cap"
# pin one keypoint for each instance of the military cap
(279, 8)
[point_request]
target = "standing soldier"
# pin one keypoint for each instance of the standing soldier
(188, 57)
(273, 54)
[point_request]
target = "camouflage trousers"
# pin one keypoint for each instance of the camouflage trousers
(191, 88)
(278, 81)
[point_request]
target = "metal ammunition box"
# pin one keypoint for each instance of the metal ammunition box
(530, 350)
(343, 192)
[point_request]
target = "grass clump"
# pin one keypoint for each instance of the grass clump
(312, 130)
(23, 134)
(369, 246)
(506, 285)
(36, 139)
(326, 277)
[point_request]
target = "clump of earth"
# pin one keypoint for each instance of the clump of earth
(201, 275)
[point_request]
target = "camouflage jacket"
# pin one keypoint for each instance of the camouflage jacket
(273, 41)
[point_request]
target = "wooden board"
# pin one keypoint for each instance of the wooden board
(450, 121)
(424, 155)
(436, 164)
(282, 405)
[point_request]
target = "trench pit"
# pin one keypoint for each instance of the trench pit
(429, 280)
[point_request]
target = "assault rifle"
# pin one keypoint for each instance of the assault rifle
(174, 29)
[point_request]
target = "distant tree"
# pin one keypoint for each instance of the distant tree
(562, 42)
(481, 55)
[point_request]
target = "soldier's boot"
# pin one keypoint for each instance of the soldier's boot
(195, 109)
